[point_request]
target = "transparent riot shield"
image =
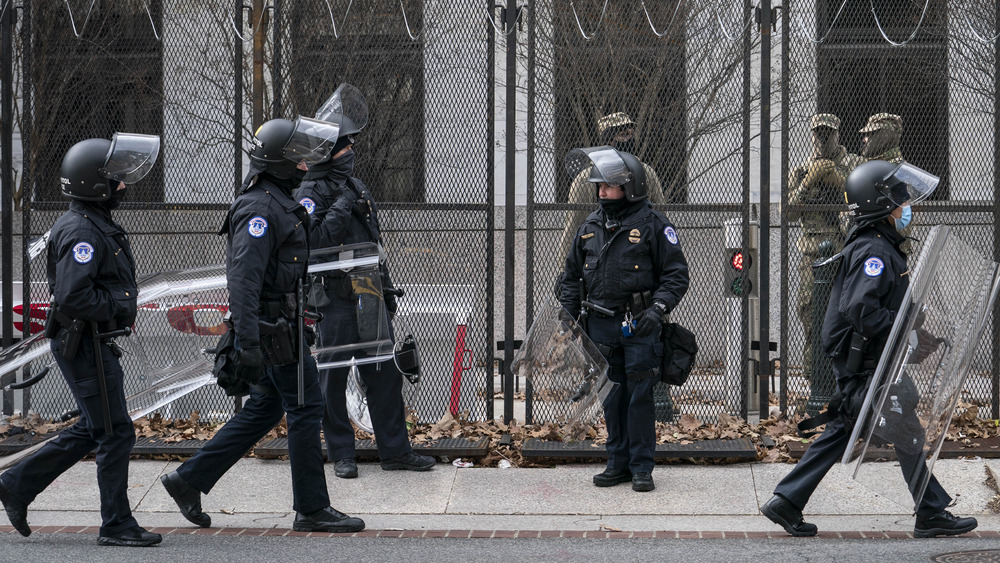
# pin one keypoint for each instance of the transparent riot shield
(565, 369)
(919, 377)
(354, 270)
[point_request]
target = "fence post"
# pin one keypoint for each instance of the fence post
(510, 15)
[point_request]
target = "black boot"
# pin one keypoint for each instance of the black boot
(642, 482)
(136, 536)
(16, 510)
(345, 468)
(785, 514)
(943, 523)
(610, 477)
(327, 520)
(409, 462)
(188, 499)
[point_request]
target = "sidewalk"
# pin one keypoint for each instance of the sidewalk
(711, 499)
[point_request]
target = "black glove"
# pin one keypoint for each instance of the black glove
(391, 304)
(250, 365)
(650, 320)
(927, 344)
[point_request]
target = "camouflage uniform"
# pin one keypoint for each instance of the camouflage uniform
(819, 181)
(582, 191)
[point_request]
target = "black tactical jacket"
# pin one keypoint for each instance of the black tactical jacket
(268, 252)
(91, 271)
(341, 213)
(870, 284)
(642, 254)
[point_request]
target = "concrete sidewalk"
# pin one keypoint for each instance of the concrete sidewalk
(256, 494)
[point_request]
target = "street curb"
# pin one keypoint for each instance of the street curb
(495, 534)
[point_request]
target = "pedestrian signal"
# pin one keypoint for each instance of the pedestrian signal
(741, 273)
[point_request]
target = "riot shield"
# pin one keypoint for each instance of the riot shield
(564, 368)
(919, 377)
(354, 270)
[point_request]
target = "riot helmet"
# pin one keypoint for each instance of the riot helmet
(609, 166)
(874, 189)
(280, 144)
(347, 108)
(92, 169)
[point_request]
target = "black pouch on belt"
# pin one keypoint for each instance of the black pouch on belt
(277, 341)
(856, 355)
(69, 340)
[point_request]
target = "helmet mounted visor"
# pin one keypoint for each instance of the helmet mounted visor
(130, 157)
(346, 105)
(920, 184)
(311, 141)
(606, 165)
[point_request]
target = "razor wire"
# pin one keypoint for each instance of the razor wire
(336, 34)
(72, 21)
(803, 32)
(669, 25)
(975, 34)
(500, 31)
(260, 21)
(579, 26)
(912, 35)
(406, 22)
(743, 29)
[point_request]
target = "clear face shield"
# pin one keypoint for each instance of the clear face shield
(346, 102)
(920, 184)
(131, 157)
(311, 141)
(605, 164)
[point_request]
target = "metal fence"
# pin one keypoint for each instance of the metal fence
(473, 107)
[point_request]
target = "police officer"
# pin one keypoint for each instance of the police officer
(616, 130)
(818, 181)
(91, 274)
(868, 289)
(268, 250)
(344, 212)
(630, 260)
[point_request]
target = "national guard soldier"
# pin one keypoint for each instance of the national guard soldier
(91, 274)
(267, 256)
(343, 211)
(627, 266)
(818, 181)
(870, 284)
(618, 131)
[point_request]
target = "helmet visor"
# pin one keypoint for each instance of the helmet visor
(919, 183)
(346, 102)
(311, 141)
(131, 157)
(606, 165)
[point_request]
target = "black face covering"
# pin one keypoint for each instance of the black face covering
(614, 207)
(116, 198)
(342, 167)
(625, 146)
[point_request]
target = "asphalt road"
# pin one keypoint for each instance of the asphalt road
(62, 547)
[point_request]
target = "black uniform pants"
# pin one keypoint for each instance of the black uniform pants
(629, 410)
(32, 475)
(383, 389)
(276, 394)
(829, 448)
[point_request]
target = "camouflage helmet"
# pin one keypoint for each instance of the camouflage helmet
(617, 119)
(824, 120)
(883, 121)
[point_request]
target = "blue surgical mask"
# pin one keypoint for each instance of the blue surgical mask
(904, 220)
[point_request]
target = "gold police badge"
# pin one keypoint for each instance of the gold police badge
(633, 236)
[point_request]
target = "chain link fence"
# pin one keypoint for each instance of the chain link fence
(443, 93)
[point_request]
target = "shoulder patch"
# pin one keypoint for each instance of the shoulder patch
(83, 252)
(874, 267)
(671, 234)
(309, 204)
(257, 227)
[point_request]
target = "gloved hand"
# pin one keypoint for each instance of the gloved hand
(927, 344)
(250, 365)
(391, 304)
(650, 320)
